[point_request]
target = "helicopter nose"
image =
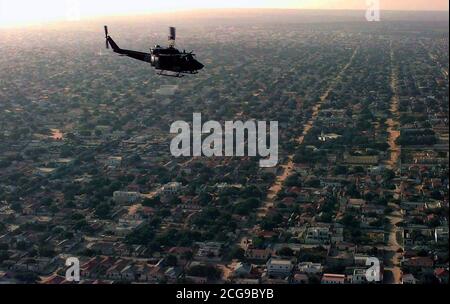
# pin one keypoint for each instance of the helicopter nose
(198, 65)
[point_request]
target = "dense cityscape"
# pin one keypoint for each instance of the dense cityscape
(86, 169)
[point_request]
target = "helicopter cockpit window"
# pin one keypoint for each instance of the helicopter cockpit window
(153, 59)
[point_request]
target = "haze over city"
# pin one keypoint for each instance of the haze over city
(15, 13)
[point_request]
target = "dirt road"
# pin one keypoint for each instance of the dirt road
(287, 169)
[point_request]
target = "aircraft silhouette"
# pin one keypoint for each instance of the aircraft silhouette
(164, 59)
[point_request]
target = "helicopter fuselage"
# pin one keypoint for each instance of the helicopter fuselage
(171, 59)
(161, 58)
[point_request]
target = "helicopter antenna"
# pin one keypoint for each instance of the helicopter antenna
(172, 36)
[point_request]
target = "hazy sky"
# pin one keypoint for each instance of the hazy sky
(17, 12)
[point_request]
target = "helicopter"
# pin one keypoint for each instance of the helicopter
(168, 60)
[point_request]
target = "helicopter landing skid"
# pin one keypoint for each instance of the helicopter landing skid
(177, 75)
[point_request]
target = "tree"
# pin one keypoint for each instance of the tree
(349, 221)
(27, 277)
(3, 256)
(4, 163)
(171, 260)
(103, 210)
(293, 180)
(286, 251)
(22, 245)
(251, 191)
(314, 183)
(204, 198)
(340, 170)
(237, 253)
(188, 255)
(151, 202)
(2, 227)
(258, 242)
(245, 207)
(81, 225)
(142, 235)
(85, 133)
(46, 252)
(207, 271)
(388, 175)
(269, 223)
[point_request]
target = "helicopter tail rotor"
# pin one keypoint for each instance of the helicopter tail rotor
(106, 37)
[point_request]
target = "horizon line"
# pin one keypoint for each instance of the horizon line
(187, 10)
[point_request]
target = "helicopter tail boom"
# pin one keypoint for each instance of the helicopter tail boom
(114, 45)
(123, 52)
